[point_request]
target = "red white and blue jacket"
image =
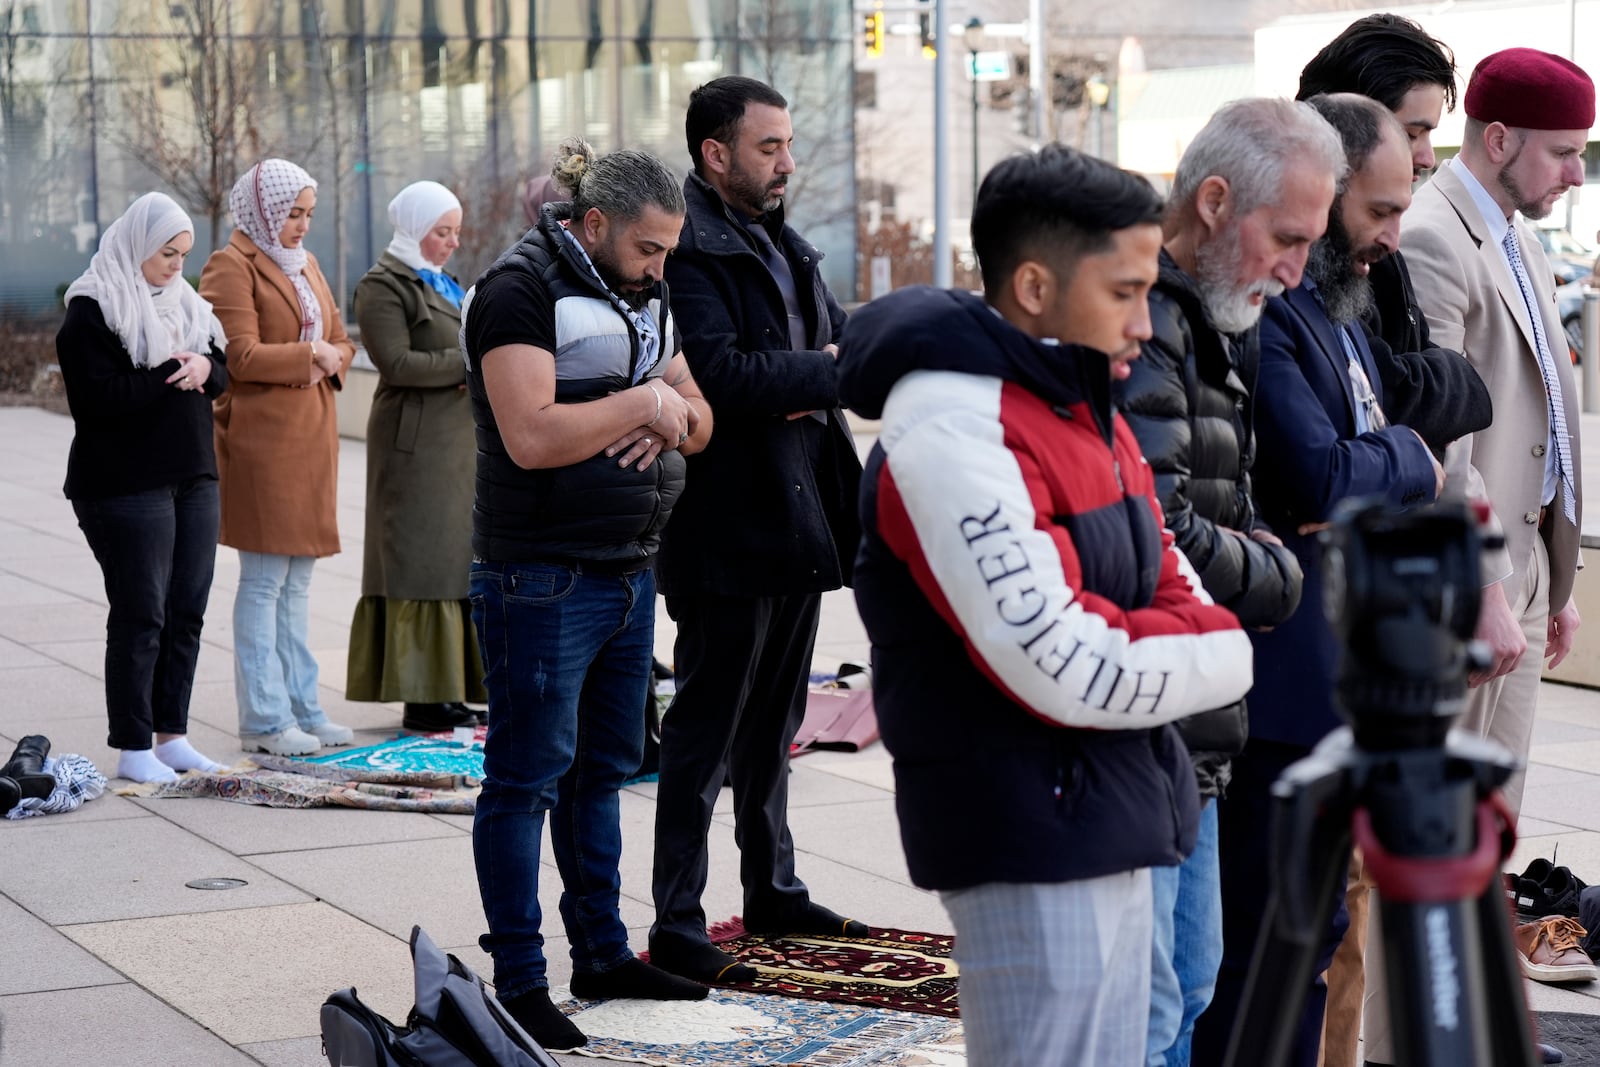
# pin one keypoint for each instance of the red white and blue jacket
(1034, 630)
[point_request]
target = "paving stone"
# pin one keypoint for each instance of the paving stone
(47, 959)
(115, 1024)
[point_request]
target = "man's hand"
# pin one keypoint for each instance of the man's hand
(1266, 536)
(1438, 468)
(1499, 629)
(832, 350)
(1559, 633)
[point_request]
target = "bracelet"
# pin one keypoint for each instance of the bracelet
(657, 395)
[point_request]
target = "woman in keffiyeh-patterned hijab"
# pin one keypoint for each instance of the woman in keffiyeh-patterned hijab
(277, 449)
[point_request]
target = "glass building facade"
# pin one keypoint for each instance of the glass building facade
(102, 100)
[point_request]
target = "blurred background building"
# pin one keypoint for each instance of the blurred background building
(101, 100)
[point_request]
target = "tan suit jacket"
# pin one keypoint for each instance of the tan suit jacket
(1475, 306)
(277, 435)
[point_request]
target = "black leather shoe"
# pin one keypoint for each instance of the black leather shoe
(432, 718)
(23, 776)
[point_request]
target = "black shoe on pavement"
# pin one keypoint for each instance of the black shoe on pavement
(433, 718)
(699, 961)
(544, 1021)
(810, 918)
(1544, 891)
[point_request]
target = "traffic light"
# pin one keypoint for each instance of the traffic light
(872, 33)
(925, 28)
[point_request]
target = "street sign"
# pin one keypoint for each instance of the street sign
(988, 66)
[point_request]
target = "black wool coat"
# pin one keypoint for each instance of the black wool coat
(769, 508)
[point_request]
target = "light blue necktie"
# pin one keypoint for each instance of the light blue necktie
(1552, 384)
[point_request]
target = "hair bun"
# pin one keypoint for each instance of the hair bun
(572, 162)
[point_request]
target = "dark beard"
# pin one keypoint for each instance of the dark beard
(752, 197)
(1331, 265)
(620, 285)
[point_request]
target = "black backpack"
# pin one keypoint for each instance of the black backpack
(456, 1022)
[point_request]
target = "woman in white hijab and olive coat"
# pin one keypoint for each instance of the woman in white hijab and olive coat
(141, 355)
(412, 638)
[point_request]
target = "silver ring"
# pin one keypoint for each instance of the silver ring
(647, 442)
(682, 437)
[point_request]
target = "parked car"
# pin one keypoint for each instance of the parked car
(1569, 302)
(1571, 259)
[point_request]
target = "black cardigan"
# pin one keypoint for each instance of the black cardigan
(134, 432)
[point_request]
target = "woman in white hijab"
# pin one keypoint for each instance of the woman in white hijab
(277, 450)
(142, 358)
(412, 638)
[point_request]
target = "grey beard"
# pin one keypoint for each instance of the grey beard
(1346, 295)
(1227, 304)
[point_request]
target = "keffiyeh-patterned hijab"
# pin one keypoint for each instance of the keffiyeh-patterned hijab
(152, 322)
(260, 204)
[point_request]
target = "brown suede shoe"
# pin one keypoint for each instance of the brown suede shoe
(1551, 950)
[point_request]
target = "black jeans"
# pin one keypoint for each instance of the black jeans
(157, 550)
(742, 668)
(1244, 825)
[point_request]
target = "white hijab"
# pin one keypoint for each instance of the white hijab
(152, 321)
(260, 203)
(413, 212)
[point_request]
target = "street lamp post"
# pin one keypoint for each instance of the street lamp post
(973, 34)
(1099, 93)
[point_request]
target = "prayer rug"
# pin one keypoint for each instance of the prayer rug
(733, 1029)
(278, 782)
(429, 753)
(902, 970)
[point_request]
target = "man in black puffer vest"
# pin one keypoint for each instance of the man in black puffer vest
(1237, 231)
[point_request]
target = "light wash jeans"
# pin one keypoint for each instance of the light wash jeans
(274, 673)
(1187, 944)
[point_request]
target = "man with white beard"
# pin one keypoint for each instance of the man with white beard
(1250, 197)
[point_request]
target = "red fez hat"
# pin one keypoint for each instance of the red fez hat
(1530, 89)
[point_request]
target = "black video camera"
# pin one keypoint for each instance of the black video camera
(1402, 591)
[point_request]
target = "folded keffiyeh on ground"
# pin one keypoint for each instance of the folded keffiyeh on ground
(77, 780)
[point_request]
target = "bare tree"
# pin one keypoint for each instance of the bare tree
(192, 103)
(29, 158)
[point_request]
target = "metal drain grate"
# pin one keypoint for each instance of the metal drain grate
(217, 883)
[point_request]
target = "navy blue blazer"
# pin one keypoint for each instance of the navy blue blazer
(1308, 459)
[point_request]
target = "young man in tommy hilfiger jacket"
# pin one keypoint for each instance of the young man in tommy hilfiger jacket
(1034, 630)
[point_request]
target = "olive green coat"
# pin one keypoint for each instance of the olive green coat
(421, 449)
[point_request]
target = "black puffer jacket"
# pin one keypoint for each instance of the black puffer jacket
(1188, 400)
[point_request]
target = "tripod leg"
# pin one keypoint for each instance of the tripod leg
(1285, 956)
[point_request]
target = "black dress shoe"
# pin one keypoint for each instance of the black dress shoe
(479, 715)
(23, 776)
(432, 718)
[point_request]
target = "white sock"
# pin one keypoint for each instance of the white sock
(181, 756)
(141, 765)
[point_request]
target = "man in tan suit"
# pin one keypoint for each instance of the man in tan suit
(1486, 288)
(1484, 285)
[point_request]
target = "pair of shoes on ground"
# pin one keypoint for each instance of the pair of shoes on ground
(634, 979)
(1544, 890)
(1551, 950)
(435, 718)
(297, 742)
(702, 961)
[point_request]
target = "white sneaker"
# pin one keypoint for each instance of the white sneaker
(332, 734)
(291, 742)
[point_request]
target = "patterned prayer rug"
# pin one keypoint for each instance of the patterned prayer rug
(902, 970)
(279, 782)
(733, 1029)
(435, 753)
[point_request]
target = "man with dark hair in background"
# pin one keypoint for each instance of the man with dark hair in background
(1034, 629)
(766, 524)
(1400, 65)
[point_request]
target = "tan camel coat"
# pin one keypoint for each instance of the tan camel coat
(277, 435)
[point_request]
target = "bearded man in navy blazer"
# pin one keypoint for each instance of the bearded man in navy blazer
(1322, 437)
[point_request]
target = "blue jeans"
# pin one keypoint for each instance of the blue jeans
(274, 673)
(156, 550)
(566, 655)
(1187, 944)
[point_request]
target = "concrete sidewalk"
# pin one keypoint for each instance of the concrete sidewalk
(110, 960)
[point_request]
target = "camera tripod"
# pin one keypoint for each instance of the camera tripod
(1433, 832)
(1420, 801)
